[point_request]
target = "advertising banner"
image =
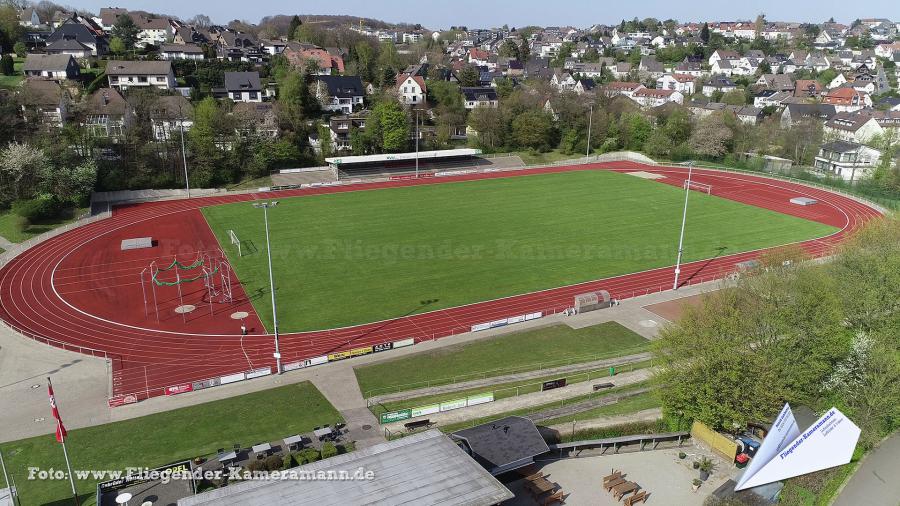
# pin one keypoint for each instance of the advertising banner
(231, 378)
(426, 410)
(355, 352)
(550, 385)
(515, 319)
(200, 385)
(480, 326)
(382, 347)
(480, 399)
(454, 404)
(180, 389)
(404, 342)
(395, 416)
(533, 316)
(341, 355)
(262, 371)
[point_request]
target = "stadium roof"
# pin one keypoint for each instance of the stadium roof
(392, 157)
(425, 468)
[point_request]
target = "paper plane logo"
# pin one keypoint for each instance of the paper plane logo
(786, 452)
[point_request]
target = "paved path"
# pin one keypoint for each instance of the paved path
(5, 243)
(339, 386)
(875, 483)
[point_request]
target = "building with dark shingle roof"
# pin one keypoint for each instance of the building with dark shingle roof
(340, 93)
(141, 74)
(241, 87)
(53, 66)
(503, 445)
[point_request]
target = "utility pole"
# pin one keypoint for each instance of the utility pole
(265, 207)
(187, 184)
(590, 123)
(687, 192)
(417, 143)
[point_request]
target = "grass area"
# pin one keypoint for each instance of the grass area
(167, 437)
(10, 229)
(506, 354)
(505, 390)
(13, 81)
(251, 184)
(821, 487)
(639, 402)
(364, 256)
(543, 407)
(536, 158)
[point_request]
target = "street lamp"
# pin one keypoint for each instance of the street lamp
(187, 184)
(417, 143)
(265, 207)
(590, 122)
(687, 192)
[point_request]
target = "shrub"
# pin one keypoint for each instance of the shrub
(274, 463)
(288, 461)
(256, 466)
(329, 450)
(347, 447)
(40, 208)
(310, 455)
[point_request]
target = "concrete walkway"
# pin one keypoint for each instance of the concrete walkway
(875, 483)
(5, 243)
(340, 388)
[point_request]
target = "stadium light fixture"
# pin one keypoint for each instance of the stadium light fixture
(265, 207)
(687, 192)
(590, 121)
(187, 184)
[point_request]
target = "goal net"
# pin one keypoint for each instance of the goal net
(702, 187)
(235, 241)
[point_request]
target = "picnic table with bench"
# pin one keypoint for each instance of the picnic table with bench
(418, 424)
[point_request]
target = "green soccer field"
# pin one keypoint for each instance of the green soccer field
(358, 257)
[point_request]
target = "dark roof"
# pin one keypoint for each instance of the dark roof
(52, 62)
(172, 107)
(41, 92)
(815, 110)
(180, 48)
(131, 68)
(475, 94)
(106, 101)
(840, 146)
(503, 442)
(73, 30)
(343, 86)
(242, 81)
(66, 45)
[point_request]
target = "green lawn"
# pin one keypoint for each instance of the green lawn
(10, 229)
(10, 82)
(639, 402)
(505, 390)
(507, 354)
(370, 255)
(167, 437)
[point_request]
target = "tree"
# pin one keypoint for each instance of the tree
(704, 33)
(20, 49)
(469, 76)
(490, 125)
(533, 130)
(21, 169)
(658, 143)
(390, 126)
(711, 137)
(635, 129)
(7, 66)
(117, 46)
(201, 21)
(734, 97)
(509, 49)
(295, 23)
(126, 30)
(10, 29)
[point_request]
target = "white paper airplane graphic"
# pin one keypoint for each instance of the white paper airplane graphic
(786, 452)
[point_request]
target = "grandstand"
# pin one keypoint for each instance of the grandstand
(405, 163)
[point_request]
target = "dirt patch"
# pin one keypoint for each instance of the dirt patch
(673, 309)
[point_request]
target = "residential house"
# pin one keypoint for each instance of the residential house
(850, 161)
(241, 87)
(325, 62)
(256, 119)
(651, 68)
(340, 93)
(682, 83)
(272, 47)
(718, 84)
(153, 30)
(722, 54)
(140, 74)
(847, 99)
(69, 47)
(690, 67)
(650, 97)
(796, 112)
(621, 70)
(410, 89)
(807, 88)
(772, 98)
(342, 127)
(171, 116)
(887, 50)
(584, 86)
(474, 97)
(181, 52)
(45, 102)
(563, 81)
(723, 67)
(776, 82)
(28, 17)
(52, 66)
(106, 113)
(852, 127)
(617, 88)
(108, 17)
(81, 30)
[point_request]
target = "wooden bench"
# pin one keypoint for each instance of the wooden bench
(553, 498)
(601, 386)
(418, 424)
(636, 498)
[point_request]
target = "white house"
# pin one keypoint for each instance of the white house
(53, 66)
(410, 89)
(140, 74)
(180, 52)
(679, 82)
(852, 127)
(340, 93)
(170, 116)
(28, 17)
(243, 86)
(718, 84)
(474, 97)
(153, 30)
(649, 97)
(850, 161)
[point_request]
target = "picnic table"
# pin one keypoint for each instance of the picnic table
(290, 441)
(227, 457)
(623, 488)
(320, 433)
(262, 448)
(540, 485)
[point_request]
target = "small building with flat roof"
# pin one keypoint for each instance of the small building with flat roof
(424, 468)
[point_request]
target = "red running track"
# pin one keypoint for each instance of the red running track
(78, 291)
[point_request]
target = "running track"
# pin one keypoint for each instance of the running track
(83, 294)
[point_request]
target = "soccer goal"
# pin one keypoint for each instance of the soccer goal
(235, 241)
(702, 187)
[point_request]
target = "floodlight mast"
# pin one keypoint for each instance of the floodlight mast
(265, 207)
(687, 192)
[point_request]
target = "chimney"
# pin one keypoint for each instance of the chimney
(104, 98)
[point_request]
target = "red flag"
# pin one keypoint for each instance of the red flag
(60, 428)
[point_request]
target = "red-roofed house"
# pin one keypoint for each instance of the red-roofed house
(478, 56)
(679, 82)
(410, 89)
(328, 63)
(847, 99)
(649, 97)
(621, 88)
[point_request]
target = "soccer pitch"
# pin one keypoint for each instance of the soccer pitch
(357, 257)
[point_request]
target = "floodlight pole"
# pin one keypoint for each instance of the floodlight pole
(687, 192)
(417, 143)
(265, 207)
(187, 184)
(590, 122)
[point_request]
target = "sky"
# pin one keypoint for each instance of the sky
(437, 14)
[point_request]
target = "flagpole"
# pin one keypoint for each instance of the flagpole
(61, 435)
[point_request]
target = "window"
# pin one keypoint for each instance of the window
(253, 95)
(236, 95)
(142, 79)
